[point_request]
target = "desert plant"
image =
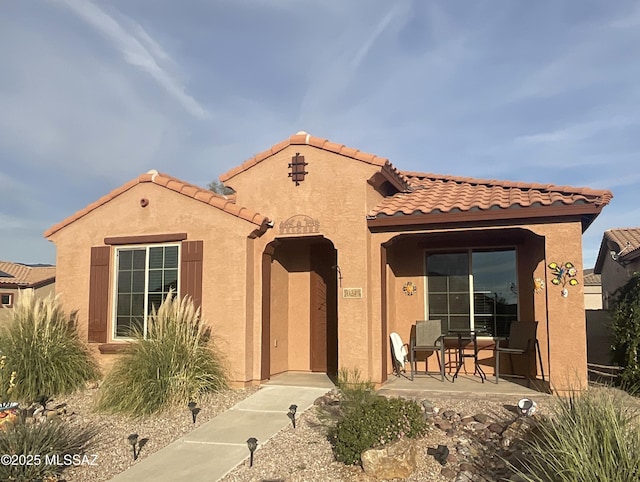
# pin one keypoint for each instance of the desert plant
(375, 422)
(42, 349)
(7, 380)
(354, 389)
(626, 332)
(591, 436)
(170, 366)
(34, 451)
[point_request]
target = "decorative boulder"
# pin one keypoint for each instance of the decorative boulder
(396, 460)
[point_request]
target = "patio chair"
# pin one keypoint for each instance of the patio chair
(426, 335)
(399, 353)
(522, 340)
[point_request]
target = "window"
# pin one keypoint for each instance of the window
(7, 299)
(474, 290)
(145, 275)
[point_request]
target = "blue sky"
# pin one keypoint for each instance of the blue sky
(92, 94)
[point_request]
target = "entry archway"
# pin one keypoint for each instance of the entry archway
(300, 306)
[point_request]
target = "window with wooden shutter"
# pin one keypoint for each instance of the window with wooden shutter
(191, 271)
(99, 294)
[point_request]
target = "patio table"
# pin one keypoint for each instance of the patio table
(464, 337)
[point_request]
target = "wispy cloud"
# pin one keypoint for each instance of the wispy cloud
(141, 51)
(576, 132)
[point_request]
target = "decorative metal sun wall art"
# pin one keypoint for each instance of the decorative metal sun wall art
(564, 274)
(409, 288)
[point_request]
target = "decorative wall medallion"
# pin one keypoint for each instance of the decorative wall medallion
(538, 285)
(300, 224)
(564, 275)
(409, 288)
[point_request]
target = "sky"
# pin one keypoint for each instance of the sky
(93, 94)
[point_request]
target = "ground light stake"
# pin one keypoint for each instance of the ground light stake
(133, 441)
(292, 414)
(194, 411)
(252, 443)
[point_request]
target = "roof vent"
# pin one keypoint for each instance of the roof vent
(153, 173)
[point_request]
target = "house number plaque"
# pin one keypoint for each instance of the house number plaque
(352, 292)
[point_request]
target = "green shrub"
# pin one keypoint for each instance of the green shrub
(171, 366)
(50, 441)
(591, 436)
(354, 390)
(43, 349)
(626, 333)
(375, 422)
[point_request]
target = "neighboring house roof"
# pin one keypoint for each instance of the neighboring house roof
(624, 243)
(439, 194)
(198, 193)
(302, 138)
(18, 275)
(591, 278)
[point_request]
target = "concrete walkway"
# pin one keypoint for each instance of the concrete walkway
(218, 446)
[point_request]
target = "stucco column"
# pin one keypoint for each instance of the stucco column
(567, 328)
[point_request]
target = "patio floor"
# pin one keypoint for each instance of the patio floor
(465, 385)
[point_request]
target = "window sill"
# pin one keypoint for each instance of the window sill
(112, 348)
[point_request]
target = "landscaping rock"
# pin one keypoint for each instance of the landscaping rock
(394, 461)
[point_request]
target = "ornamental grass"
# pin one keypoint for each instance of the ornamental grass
(172, 364)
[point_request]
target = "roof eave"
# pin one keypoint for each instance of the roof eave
(583, 211)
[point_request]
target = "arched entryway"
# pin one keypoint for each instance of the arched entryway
(299, 306)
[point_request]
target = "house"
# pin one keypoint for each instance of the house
(323, 251)
(16, 277)
(592, 290)
(618, 258)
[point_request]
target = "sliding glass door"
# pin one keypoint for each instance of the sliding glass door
(473, 290)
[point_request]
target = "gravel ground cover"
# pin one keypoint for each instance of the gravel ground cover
(303, 453)
(110, 445)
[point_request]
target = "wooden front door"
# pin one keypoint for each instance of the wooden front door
(323, 316)
(318, 321)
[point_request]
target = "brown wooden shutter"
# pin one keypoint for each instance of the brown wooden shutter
(99, 294)
(191, 271)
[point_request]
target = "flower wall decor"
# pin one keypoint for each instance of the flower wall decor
(409, 288)
(564, 274)
(538, 285)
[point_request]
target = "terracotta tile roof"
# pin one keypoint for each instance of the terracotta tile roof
(302, 138)
(25, 276)
(591, 278)
(627, 239)
(434, 193)
(201, 194)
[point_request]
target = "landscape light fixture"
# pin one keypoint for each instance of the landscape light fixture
(252, 443)
(194, 410)
(292, 414)
(133, 441)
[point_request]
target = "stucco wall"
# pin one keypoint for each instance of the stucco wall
(224, 265)
(336, 194)
(561, 321)
(613, 276)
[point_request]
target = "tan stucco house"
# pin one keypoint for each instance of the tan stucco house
(323, 251)
(618, 258)
(18, 277)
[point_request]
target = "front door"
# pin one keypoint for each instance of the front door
(323, 316)
(318, 321)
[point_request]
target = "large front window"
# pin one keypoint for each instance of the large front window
(473, 290)
(145, 275)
